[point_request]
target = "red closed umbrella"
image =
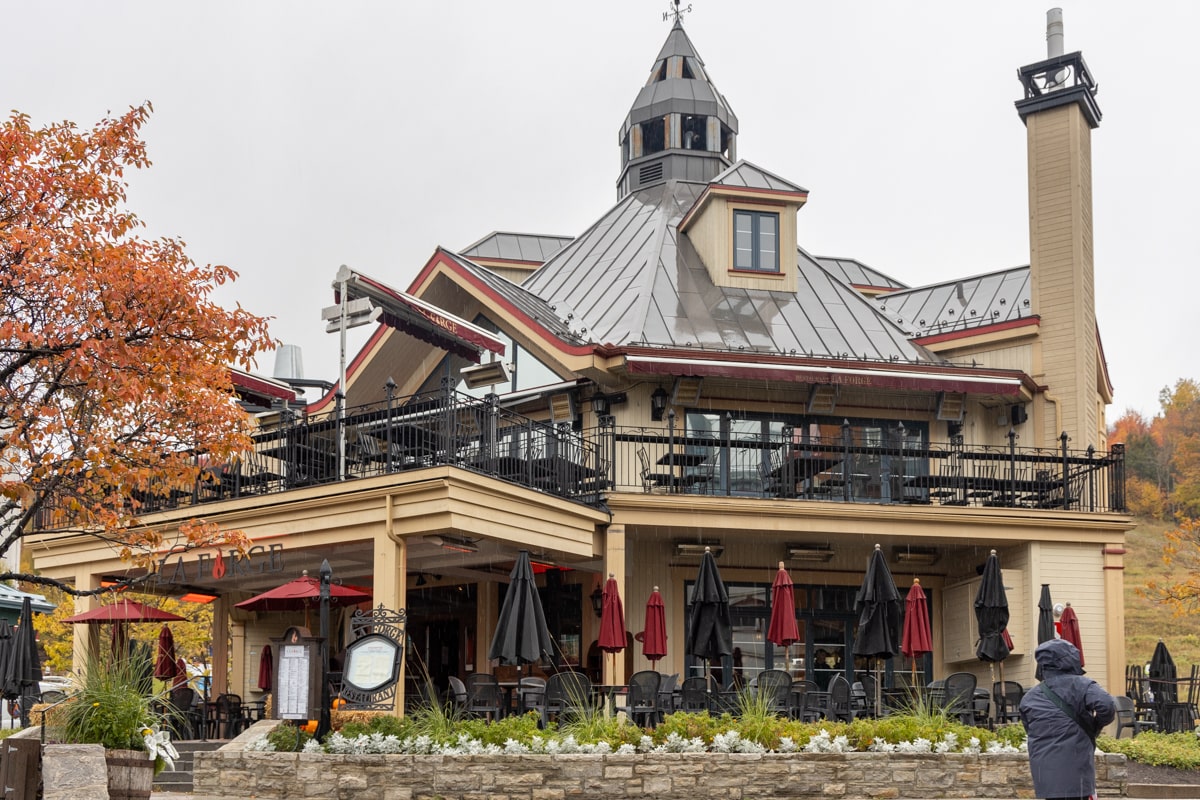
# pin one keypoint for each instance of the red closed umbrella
(266, 669)
(612, 620)
(916, 639)
(1070, 630)
(164, 664)
(783, 630)
(654, 632)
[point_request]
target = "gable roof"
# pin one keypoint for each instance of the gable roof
(751, 176)
(858, 274)
(529, 247)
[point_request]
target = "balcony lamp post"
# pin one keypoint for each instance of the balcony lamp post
(389, 391)
(326, 576)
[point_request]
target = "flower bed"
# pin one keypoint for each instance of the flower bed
(239, 770)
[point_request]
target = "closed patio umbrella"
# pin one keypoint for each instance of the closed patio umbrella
(164, 663)
(991, 614)
(654, 632)
(916, 639)
(878, 605)
(522, 636)
(1162, 673)
(783, 630)
(612, 621)
(1045, 618)
(266, 669)
(709, 622)
(23, 667)
(1070, 630)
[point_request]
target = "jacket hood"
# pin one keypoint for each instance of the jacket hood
(1058, 655)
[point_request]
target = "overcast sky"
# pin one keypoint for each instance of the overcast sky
(291, 137)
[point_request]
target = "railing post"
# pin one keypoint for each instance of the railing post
(1066, 470)
(1091, 453)
(339, 402)
(727, 460)
(671, 449)
(389, 390)
(846, 460)
(903, 465)
(1116, 477)
(448, 428)
(1012, 468)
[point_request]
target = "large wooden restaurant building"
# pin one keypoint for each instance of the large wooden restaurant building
(683, 374)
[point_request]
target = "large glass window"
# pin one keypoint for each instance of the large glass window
(756, 241)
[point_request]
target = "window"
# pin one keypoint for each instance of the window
(756, 241)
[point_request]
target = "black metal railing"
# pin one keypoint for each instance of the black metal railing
(449, 428)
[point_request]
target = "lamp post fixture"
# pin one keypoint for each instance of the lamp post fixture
(598, 601)
(389, 390)
(326, 575)
(658, 403)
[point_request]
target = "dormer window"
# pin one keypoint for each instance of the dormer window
(756, 241)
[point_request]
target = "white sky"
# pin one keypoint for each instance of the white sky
(291, 137)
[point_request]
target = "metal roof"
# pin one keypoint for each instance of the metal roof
(752, 176)
(630, 280)
(856, 273)
(960, 305)
(516, 246)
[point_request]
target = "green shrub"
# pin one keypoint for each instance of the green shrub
(1179, 750)
(380, 723)
(288, 737)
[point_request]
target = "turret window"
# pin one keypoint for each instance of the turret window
(756, 241)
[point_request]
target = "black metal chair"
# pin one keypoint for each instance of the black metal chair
(775, 686)
(567, 693)
(531, 694)
(641, 699)
(840, 707)
(485, 698)
(959, 696)
(693, 694)
(667, 699)
(1006, 695)
(456, 693)
(230, 719)
(1129, 717)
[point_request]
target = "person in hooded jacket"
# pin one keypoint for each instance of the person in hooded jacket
(1062, 739)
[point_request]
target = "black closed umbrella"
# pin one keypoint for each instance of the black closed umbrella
(1162, 675)
(991, 614)
(5, 643)
(23, 667)
(878, 607)
(1045, 616)
(709, 623)
(522, 636)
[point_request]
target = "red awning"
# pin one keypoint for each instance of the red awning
(427, 322)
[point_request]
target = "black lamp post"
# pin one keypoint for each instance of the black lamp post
(658, 404)
(326, 575)
(389, 390)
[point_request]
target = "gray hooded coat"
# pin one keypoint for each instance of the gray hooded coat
(1061, 753)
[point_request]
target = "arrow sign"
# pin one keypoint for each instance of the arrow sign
(358, 312)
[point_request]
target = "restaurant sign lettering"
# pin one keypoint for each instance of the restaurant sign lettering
(257, 560)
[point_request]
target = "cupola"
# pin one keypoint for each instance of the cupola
(680, 127)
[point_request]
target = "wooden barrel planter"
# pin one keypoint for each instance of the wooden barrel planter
(130, 774)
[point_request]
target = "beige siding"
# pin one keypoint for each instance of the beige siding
(711, 233)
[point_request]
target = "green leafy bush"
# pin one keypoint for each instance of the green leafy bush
(288, 738)
(384, 724)
(1179, 750)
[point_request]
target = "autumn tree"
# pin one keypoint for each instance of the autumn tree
(113, 356)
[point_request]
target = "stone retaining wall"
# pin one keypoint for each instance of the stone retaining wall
(233, 772)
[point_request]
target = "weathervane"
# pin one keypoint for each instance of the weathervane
(677, 13)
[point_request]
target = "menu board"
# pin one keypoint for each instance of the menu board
(295, 667)
(371, 663)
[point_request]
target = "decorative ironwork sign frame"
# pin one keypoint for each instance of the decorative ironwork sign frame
(373, 659)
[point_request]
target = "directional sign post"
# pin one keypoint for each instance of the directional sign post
(345, 315)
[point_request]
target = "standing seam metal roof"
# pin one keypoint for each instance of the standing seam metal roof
(959, 305)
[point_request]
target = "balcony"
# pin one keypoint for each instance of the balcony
(449, 429)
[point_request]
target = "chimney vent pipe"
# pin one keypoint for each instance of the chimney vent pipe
(1054, 33)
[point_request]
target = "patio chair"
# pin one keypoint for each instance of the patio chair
(1129, 717)
(775, 686)
(566, 693)
(484, 696)
(1007, 697)
(693, 694)
(839, 707)
(182, 716)
(959, 696)
(531, 694)
(230, 719)
(641, 701)
(456, 693)
(666, 693)
(806, 701)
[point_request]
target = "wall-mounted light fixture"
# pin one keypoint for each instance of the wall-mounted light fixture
(488, 374)
(602, 403)
(597, 597)
(924, 556)
(686, 391)
(696, 549)
(458, 544)
(809, 552)
(658, 404)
